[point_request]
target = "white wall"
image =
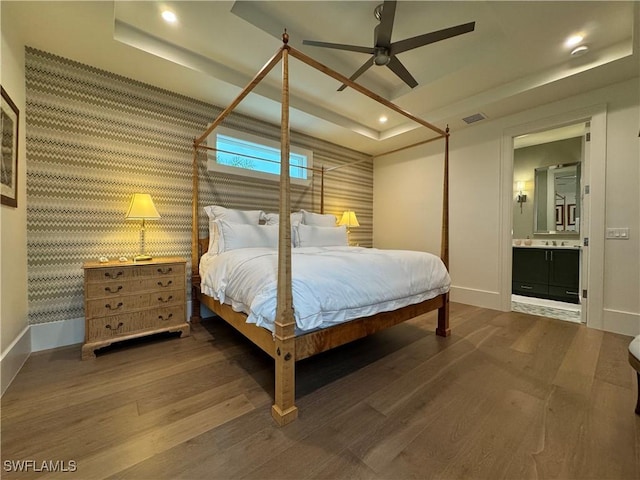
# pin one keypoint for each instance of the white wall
(15, 344)
(406, 182)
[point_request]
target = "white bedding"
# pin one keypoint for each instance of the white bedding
(330, 284)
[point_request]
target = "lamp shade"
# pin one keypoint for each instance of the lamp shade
(142, 208)
(349, 219)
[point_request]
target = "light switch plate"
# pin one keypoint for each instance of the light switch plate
(618, 233)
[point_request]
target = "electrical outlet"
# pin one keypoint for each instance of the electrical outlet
(618, 233)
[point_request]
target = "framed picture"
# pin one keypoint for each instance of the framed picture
(571, 214)
(9, 149)
(559, 215)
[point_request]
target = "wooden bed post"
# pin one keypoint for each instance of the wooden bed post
(322, 190)
(443, 329)
(284, 410)
(195, 253)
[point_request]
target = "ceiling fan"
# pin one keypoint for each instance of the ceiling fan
(384, 51)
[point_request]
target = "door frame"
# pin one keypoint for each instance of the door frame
(594, 175)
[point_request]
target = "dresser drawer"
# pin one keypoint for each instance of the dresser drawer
(104, 307)
(117, 288)
(125, 272)
(564, 294)
(529, 289)
(128, 323)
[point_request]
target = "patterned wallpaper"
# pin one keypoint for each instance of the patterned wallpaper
(94, 138)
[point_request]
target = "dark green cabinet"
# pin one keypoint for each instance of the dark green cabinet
(551, 273)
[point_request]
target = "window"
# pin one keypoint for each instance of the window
(245, 154)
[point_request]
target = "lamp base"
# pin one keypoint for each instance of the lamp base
(142, 258)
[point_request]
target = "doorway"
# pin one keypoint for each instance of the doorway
(592, 226)
(546, 222)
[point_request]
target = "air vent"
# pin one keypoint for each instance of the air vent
(476, 117)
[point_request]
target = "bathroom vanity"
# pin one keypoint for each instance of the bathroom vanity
(547, 272)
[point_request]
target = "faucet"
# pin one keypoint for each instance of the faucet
(562, 244)
(553, 243)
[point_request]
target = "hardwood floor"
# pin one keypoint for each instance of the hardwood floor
(508, 395)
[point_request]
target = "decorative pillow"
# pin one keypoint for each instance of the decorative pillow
(318, 219)
(313, 236)
(216, 212)
(274, 218)
(241, 235)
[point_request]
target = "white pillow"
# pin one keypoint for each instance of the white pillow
(318, 219)
(274, 218)
(241, 235)
(312, 236)
(216, 212)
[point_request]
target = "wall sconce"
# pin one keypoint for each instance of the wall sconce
(521, 197)
(142, 208)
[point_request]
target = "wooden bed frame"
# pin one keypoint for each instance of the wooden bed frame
(283, 345)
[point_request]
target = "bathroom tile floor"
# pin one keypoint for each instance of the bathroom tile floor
(546, 308)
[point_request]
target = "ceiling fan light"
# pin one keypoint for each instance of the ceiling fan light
(382, 60)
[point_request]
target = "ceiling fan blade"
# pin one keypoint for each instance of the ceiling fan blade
(339, 46)
(359, 72)
(399, 69)
(432, 37)
(383, 31)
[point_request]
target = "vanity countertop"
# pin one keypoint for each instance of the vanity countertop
(559, 247)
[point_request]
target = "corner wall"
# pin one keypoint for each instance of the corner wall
(15, 342)
(407, 203)
(95, 138)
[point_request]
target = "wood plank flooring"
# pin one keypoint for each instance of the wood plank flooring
(506, 396)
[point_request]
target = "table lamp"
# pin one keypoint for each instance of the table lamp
(349, 219)
(142, 208)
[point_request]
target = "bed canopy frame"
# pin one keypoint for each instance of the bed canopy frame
(283, 345)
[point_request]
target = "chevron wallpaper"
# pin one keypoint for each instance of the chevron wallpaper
(94, 138)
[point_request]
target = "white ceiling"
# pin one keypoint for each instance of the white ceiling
(515, 59)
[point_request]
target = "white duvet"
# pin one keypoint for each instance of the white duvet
(330, 284)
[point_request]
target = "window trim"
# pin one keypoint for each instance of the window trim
(213, 165)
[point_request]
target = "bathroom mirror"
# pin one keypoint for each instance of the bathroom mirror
(557, 199)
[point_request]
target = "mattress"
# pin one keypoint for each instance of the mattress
(330, 285)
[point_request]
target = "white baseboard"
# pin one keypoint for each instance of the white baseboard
(57, 334)
(478, 298)
(14, 357)
(625, 323)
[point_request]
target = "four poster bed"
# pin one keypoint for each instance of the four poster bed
(283, 339)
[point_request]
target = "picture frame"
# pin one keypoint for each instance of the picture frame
(571, 214)
(559, 216)
(9, 123)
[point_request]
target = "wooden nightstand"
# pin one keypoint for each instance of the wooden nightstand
(124, 300)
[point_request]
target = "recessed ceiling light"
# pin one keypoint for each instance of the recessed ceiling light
(169, 16)
(581, 50)
(383, 119)
(574, 40)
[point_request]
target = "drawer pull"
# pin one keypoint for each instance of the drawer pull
(164, 271)
(120, 324)
(112, 276)
(108, 305)
(161, 317)
(160, 299)
(570, 293)
(526, 287)
(109, 290)
(160, 284)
